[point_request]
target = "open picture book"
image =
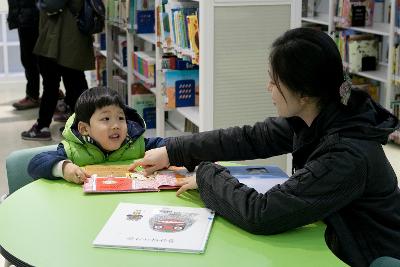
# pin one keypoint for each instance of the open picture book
(117, 178)
(164, 228)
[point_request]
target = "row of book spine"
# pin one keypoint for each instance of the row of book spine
(116, 11)
(178, 22)
(143, 63)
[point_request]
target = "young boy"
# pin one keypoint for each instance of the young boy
(102, 129)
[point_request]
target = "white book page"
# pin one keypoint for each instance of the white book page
(149, 227)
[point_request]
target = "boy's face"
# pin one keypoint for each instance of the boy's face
(108, 127)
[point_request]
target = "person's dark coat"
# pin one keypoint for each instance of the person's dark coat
(22, 14)
(61, 40)
(341, 176)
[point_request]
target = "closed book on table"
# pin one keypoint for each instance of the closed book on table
(261, 178)
(160, 228)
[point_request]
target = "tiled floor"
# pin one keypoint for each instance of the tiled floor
(13, 122)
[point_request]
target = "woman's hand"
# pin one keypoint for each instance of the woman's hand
(73, 173)
(153, 160)
(186, 184)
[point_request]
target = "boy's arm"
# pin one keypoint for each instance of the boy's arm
(155, 142)
(42, 164)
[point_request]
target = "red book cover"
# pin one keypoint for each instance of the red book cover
(113, 184)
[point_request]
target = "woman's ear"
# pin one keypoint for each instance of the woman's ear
(304, 99)
(83, 128)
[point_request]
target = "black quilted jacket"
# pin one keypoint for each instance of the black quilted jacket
(341, 176)
(22, 13)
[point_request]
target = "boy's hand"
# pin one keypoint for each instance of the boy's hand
(186, 184)
(153, 160)
(73, 173)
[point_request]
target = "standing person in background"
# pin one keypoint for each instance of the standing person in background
(24, 16)
(64, 52)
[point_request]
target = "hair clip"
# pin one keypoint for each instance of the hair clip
(345, 89)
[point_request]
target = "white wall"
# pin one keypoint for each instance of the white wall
(3, 5)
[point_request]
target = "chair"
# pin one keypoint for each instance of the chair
(17, 173)
(385, 262)
(17, 164)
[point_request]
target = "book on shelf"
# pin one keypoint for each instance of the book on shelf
(122, 49)
(260, 177)
(141, 16)
(101, 70)
(164, 34)
(157, 228)
(310, 8)
(120, 85)
(177, 13)
(190, 126)
(367, 85)
(359, 12)
(116, 11)
(145, 103)
(362, 52)
(145, 21)
(117, 178)
(181, 88)
(395, 105)
(143, 63)
(193, 32)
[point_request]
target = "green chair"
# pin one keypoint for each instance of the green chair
(385, 262)
(17, 164)
(17, 173)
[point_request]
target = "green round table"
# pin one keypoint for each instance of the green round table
(53, 223)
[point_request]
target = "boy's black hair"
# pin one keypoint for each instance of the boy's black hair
(308, 62)
(94, 98)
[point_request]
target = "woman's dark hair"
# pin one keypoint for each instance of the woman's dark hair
(308, 62)
(95, 98)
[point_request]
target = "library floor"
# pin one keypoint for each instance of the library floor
(13, 122)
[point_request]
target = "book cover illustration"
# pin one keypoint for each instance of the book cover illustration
(150, 227)
(360, 48)
(181, 88)
(345, 10)
(261, 178)
(193, 32)
(116, 178)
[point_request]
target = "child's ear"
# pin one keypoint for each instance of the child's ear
(83, 128)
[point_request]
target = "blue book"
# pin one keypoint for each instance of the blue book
(261, 178)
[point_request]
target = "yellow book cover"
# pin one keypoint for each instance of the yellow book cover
(193, 31)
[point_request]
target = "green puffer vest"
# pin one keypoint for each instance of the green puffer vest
(83, 153)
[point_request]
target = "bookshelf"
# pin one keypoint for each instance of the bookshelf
(227, 89)
(234, 41)
(383, 27)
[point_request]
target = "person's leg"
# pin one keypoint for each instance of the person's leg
(27, 39)
(51, 76)
(75, 83)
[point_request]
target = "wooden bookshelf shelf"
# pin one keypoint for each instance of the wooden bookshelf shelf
(119, 65)
(148, 37)
(318, 19)
(191, 113)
